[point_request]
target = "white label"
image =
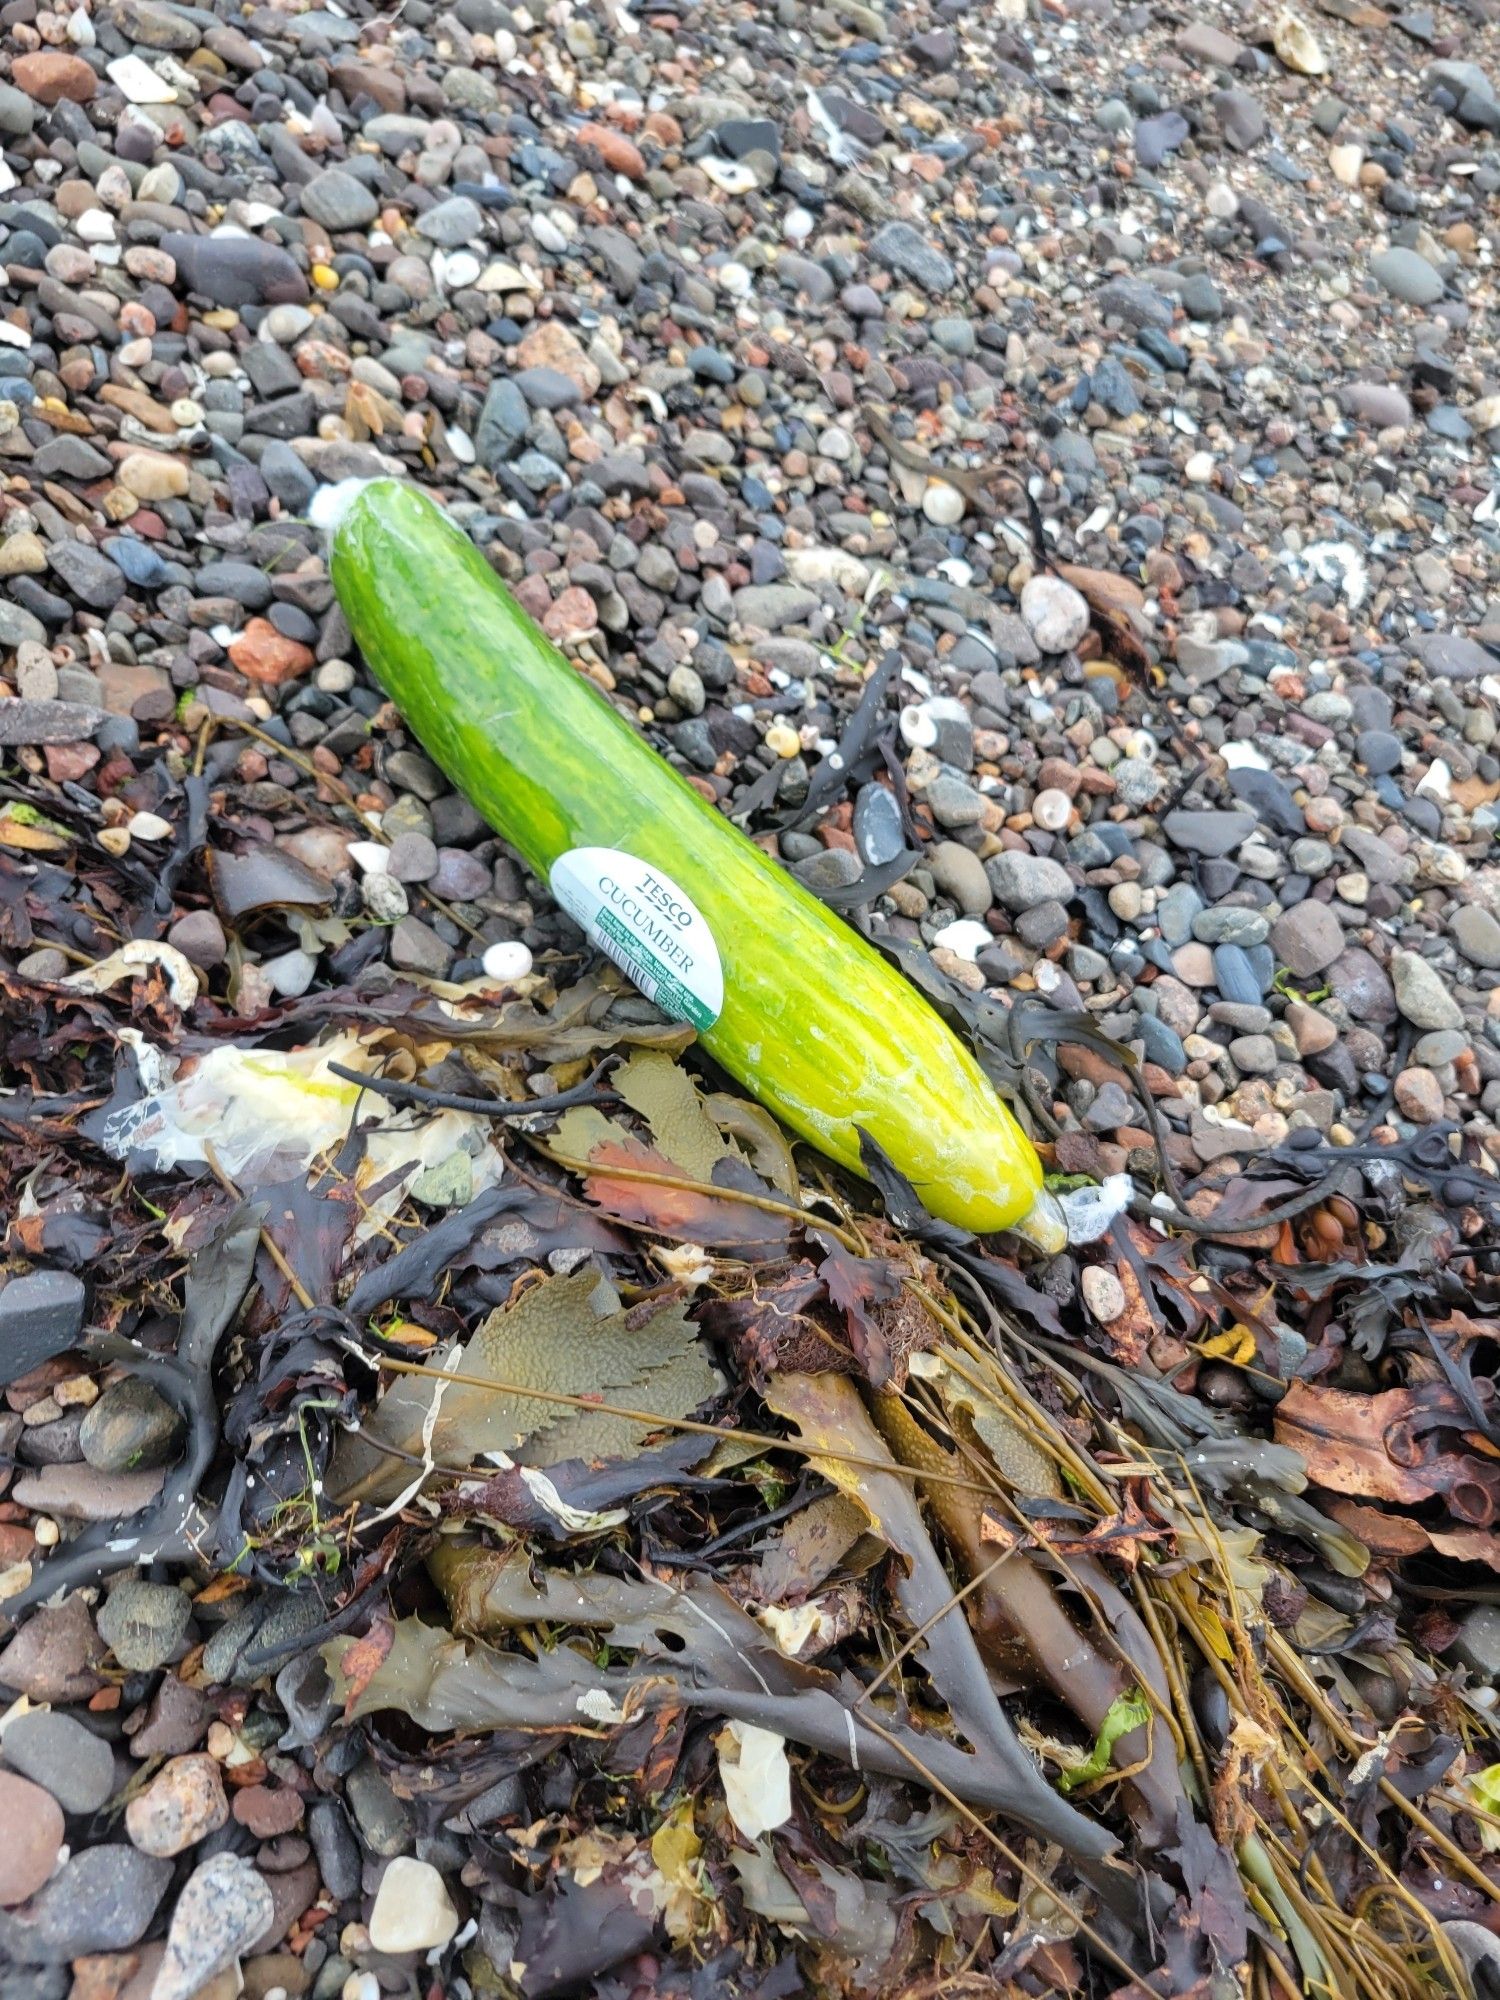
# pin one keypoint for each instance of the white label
(652, 930)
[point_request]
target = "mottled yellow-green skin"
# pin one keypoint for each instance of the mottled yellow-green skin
(815, 1023)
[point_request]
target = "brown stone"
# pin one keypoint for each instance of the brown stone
(292, 1891)
(173, 1721)
(183, 1803)
(1419, 1096)
(102, 1975)
(552, 345)
(1079, 1153)
(125, 688)
(150, 265)
(264, 655)
(68, 762)
(33, 1825)
(49, 76)
(1313, 1032)
(616, 151)
(362, 79)
(52, 1657)
(571, 615)
(268, 1812)
(152, 475)
(275, 1971)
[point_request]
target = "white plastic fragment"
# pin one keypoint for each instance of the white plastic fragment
(331, 503)
(1089, 1211)
(1341, 565)
(138, 956)
(275, 1112)
(756, 1777)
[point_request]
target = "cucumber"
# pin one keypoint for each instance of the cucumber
(794, 1004)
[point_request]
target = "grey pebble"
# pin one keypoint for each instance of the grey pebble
(41, 1314)
(101, 1899)
(1307, 938)
(1476, 932)
(903, 249)
(959, 874)
(57, 1752)
(1208, 833)
(339, 201)
(143, 1623)
(1021, 881)
(1407, 276)
(131, 1427)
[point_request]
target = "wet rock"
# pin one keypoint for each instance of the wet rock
(183, 1803)
(130, 1428)
(1421, 994)
(1307, 939)
(53, 1655)
(1407, 276)
(33, 1825)
(1022, 881)
(382, 1818)
(413, 1910)
(102, 1899)
(57, 1752)
(263, 879)
(224, 1907)
(41, 1314)
(143, 1624)
(336, 1848)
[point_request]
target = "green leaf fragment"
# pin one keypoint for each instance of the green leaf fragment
(1127, 1711)
(1485, 1785)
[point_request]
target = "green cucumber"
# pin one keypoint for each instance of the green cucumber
(793, 1003)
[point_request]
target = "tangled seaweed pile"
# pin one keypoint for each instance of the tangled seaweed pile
(707, 1576)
